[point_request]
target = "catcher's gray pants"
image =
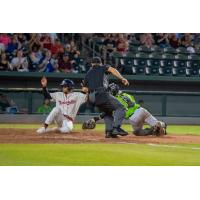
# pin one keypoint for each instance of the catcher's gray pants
(140, 117)
(64, 124)
(113, 109)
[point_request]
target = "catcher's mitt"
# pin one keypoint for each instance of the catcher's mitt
(158, 130)
(89, 124)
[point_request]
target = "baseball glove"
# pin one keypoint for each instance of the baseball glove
(158, 130)
(89, 124)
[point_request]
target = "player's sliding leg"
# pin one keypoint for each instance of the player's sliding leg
(49, 120)
(67, 126)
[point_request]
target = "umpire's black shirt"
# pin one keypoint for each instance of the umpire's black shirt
(97, 77)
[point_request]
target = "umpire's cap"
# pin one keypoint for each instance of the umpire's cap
(96, 61)
(68, 83)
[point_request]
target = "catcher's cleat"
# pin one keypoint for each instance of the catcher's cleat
(119, 131)
(165, 128)
(110, 135)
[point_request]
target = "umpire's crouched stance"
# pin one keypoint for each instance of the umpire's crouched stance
(97, 83)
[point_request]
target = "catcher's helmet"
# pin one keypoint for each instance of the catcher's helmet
(68, 83)
(114, 89)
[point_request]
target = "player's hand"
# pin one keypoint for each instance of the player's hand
(44, 81)
(125, 82)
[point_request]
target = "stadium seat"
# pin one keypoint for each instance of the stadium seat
(156, 49)
(144, 49)
(180, 64)
(182, 50)
(153, 64)
(170, 50)
(180, 61)
(193, 65)
(140, 63)
(133, 49)
(166, 64)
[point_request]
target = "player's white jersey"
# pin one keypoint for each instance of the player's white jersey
(69, 103)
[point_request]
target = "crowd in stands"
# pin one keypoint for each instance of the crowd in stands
(120, 43)
(38, 52)
(47, 52)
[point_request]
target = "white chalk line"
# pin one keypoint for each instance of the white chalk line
(163, 145)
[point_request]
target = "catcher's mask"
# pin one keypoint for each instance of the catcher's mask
(114, 89)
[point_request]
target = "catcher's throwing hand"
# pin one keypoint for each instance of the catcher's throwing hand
(44, 81)
(89, 124)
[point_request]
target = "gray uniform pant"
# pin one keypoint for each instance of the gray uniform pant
(113, 109)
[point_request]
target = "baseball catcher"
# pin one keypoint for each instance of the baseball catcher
(136, 115)
(67, 106)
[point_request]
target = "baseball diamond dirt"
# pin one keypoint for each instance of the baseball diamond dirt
(27, 136)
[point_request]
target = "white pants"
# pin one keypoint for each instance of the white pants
(64, 125)
(142, 116)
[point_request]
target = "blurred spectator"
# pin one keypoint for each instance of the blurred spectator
(4, 64)
(173, 40)
(161, 39)
(4, 41)
(65, 64)
(186, 41)
(109, 45)
(35, 56)
(14, 45)
(19, 63)
(147, 40)
(122, 44)
(46, 41)
(47, 63)
(57, 47)
(7, 105)
(45, 108)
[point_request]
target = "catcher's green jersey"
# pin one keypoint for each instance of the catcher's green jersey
(128, 101)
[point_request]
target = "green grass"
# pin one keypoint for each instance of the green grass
(97, 154)
(101, 154)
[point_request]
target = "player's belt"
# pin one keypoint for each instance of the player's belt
(68, 117)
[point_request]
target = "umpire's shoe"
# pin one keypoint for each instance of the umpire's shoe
(119, 131)
(110, 135)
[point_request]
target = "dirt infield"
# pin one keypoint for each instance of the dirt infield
(29, 136)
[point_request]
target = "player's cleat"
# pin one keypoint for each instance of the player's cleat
(110, 135)
(41, 130)
(119, 131)
(165, 128)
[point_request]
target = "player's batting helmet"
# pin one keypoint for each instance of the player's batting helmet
(114, 89)
(68, 83)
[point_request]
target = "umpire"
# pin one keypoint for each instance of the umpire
(96, 81)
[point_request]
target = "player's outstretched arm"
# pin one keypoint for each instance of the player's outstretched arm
(44, 88)
(116, 73)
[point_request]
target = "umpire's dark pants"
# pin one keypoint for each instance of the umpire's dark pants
(113, 109)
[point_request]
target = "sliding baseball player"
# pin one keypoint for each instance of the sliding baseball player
(67, 106)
